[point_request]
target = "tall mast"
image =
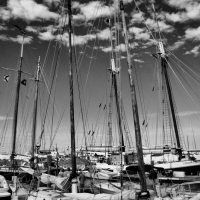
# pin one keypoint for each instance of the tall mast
(14, 131)
(72, 128)
(164, 66)
(110, 117)
(35, 110)
(134, 106)
(114, 72)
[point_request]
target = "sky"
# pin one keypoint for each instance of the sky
(176, 23)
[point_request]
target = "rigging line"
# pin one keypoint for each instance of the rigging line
(187, 73)
(45, 58)
(156, 19)
(184, 78)
(182, 84)
(49, 97)
(85, 46)
(79, 94)
(90, 64)
(183, 64)
(142, 104)
(143, 19)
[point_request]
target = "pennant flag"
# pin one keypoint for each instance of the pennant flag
(89, 132)
(104, 107)
(6, 78)
(143, 123)
(100, 105)
(92, 132)
(23, 82)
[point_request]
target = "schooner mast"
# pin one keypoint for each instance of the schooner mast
(115, 71)
(164, 70)
(72, 124)
(35, 111)
(16, 106)
(134, 108)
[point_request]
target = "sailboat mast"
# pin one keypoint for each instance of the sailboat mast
(134, 106)
(14, 131)
(35, 110)
(114, 72)
(164, 66)
(72, 125)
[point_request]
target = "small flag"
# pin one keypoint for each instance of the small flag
(152, 89)
(100, 105)
(6, 78)
(143, 123)
(89, 132)
(104, 107)
(92, 132)
(23, 82)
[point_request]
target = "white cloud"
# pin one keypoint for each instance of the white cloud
(5, 14)
(193, 33)
(106, 49)
(162, 26)
(140, 33)
(18, 39)
(188, 10)
(94, 10)
(137, 17)
(177, 45)
(104, 34)
(29, 10)
(195, 51)
(31, 29)
(46, 36)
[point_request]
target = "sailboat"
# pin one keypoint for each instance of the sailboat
(184, 164)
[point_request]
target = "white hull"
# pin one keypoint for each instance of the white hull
(178, 165)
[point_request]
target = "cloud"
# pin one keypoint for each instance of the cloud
(162, 26)
(76, 39)
(104, 34)
(137, 17)
(18, 39)
(188, 10)
(177, 45)
(192, 33)
(29, 10)
(31, 29)
(94, 10)
(46, 36)
(140, 33)
(5, 14)
(106, 49)
(195, 51)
